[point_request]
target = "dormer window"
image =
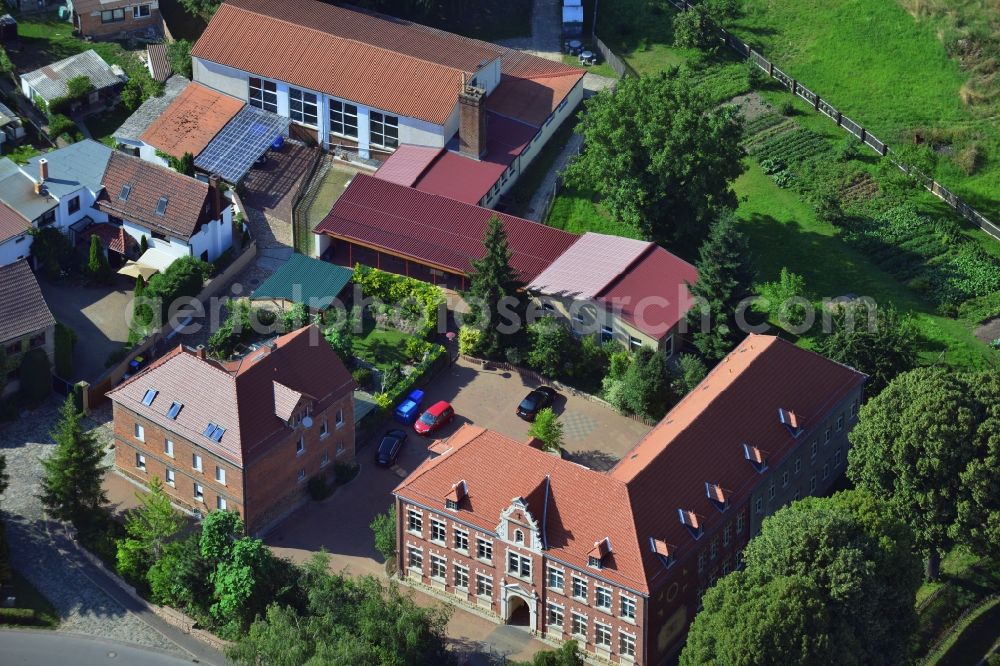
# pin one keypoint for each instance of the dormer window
(756, 457)
(663, 550)
(691, 521)
(596, 557)
(718, 495)
(790, 420)
(455, 497)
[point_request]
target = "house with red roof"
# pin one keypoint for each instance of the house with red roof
(631, 291)
(244, 435)
(619, 560)
(365, 83)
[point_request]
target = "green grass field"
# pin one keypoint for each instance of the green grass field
(383, 347)
(892, 73)
(29, 597)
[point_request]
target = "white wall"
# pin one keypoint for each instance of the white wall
(146, 151)
(63, 217)
(219, 77)
(488, 76)
(215, 237)
(15, 248)
(173, 246)
(321, 245)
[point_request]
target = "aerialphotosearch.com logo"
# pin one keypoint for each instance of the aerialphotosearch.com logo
(655, 315)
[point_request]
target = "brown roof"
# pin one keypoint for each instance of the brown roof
(187, 202)
(158, 63)
(191, 121)
(11, 223)
(383, 62)
(638, 505)
(238, 396)
(435, 230)
(112, 236)
(22, 307)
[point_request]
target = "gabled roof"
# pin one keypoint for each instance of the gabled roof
(305, 280)
(50, 81)
(23, 309)
(407, 164)
(17, 191)
(655, 502)
(151, 110)
(71, 167)
(150, 187)
(191, 121)
(436, 230)
(239, 396)
(387, 63)
(12, 223)
(159, 65)
(592, 263)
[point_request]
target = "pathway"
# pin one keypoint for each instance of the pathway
(88, 601)
(546, 31)
(538, 207)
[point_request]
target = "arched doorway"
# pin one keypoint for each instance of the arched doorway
(518, 613)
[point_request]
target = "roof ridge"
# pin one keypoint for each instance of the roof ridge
(718, 369)
(355, 41)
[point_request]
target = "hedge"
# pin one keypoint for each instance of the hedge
(18, 616)
(415, 299)
(65, 341)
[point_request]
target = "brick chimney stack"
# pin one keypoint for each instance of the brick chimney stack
(216, 193)
(472, 120)
(200, 352)
(43, 170)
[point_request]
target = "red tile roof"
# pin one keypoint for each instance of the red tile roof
(699, 441)
(239, 396)
(112, 236)
(23, 309)
(351, 54)
(191, 121)
(11, 223)
(188, 202)
(434, 230)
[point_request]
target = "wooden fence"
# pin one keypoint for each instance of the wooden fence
(621, 67)
(822, 106)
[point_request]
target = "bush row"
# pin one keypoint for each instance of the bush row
(412, 300)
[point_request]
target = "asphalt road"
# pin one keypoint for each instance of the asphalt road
(48, 648)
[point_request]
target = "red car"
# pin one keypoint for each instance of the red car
(436, 417)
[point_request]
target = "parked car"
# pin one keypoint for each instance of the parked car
(436, 417)
(535, 402)
(389, 448)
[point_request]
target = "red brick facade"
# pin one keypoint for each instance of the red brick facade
(113, 19)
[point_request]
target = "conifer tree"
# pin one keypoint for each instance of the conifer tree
(71, 485)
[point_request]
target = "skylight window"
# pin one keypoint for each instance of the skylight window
(161, 206)
(126, 190)
(175, 409)
(217, 435)
(209, 429)
(149, 397)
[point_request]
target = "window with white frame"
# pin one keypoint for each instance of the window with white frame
(461, 540)
(199, 492)
(759, 505)
(112, 16)
(220, 475)
(302, 475)
(168, 448)
(626, 645)
(414, 521)
(461, 576)
(484, 586)
(300, 446)
(836, 456)
(343, 119)
(140, 433)
(784, 479)
(340, 448)
(263, 94)
(578, 624)
(518, 565)
(727, 535)
(303, 107)
(579, 588)
(140, 461)
(555, 579)
(798, 465)
(324, 429)
(414, 558)
(554, 615)
(339, 421)
(439, 531)
(634, 343)
(383, 129)
(439, 567)
(484, 549)
(196, 462)
(826, 436)
(602, 635)
(602, 597)
(607, 334)
(713, 549)
(171, 478)
(812, 483)
(812, 450)
(220, 503)
(518, 536)
(627, 606)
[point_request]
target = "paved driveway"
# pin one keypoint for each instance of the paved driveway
(98, 315)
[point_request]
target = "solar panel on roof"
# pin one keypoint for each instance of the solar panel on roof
(239, 144)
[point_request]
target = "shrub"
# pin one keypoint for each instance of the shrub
(690, 371)
(60, 125)
(362, 376)
(547, 429)
(344, 472)
(383, 528)
(318, 488)
(413, 301)
(35, 376)
(552, 347)
(65, 340)
(787, 108)
(18, 616)
(183, 278)
(469, 340)
(51, 250)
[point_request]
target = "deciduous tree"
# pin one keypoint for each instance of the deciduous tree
(646, 384)
(383, 529)
(548, 429)
(71, 484)
(661, 156)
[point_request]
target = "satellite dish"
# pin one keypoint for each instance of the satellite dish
(307, 421)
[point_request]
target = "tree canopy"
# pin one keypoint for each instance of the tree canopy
(828, 580)
(71, 485)
(725, 276)
(149, 527)
(548, 429)
(661, 156)
(925, 445)
(494, 287)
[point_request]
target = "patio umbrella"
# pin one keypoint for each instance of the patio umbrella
(134, 270)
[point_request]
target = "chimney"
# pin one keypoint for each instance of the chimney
(216, 193)
(200, 352)
(43, 170)
(471, 121)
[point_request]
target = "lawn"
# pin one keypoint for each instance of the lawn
(891, 72)
(382, 347)
(517, 199)
(46, 39)
(575, 211)
(29, 597)
(317, 205)
(102, 125)
(784, 231)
